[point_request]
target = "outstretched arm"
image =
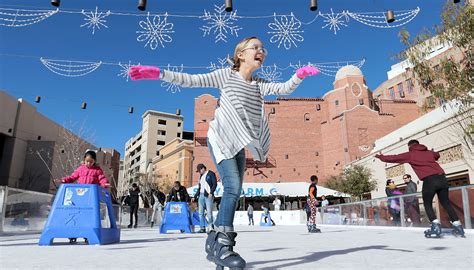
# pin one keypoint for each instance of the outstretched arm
(401, 158)
(289, 86)
(213, 79)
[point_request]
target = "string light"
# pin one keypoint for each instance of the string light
(313, 5)
(390, 16)
(228, 5)
(142, 5)
(158, 28)
(55, 3)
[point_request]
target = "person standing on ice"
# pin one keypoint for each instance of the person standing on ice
(239, 122)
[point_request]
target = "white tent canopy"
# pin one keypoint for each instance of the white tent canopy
(292, 189)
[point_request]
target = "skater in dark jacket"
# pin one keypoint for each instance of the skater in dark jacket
(178, 193)
(134, 200)
(423, 162)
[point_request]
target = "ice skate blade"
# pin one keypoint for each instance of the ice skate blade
(220, 267)
(432, 236)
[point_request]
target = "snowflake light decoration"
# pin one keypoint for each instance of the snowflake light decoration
(124, 72)
(285, 31)
(220, 23)
(95, 20)
(222, 63)
(335, 21)
(270, 73)
(155, 31)
(172, 87)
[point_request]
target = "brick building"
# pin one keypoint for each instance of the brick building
(400, 83)
(314, 135)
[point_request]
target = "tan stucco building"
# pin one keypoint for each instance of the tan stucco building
(175, 163)
(158, 129)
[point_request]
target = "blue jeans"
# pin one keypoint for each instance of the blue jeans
(231, 172)
(207, 202)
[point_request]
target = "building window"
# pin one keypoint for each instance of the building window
(409, 84)
(162, 132)
(361, 101)
(157, 153)
(400, 90)
(179, 124)
(161, 122)
(286, 156)
(337, 102)
(391, 92)
(318, 107)
(307, 117)
(178, 135)
(160, 142)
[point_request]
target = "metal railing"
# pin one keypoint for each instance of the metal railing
(402, 210)
(23, 210)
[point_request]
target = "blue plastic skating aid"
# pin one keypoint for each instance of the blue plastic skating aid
(81, 211)
(196, 221)
(262, 220)
(176, 217)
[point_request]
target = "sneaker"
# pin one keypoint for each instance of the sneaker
(152, 223)
(135, 226)
(202, 230)
(129, 226)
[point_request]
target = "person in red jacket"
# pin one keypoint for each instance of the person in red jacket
(87, 173)
(424, 163)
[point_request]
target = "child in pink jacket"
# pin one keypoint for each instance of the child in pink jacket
(87, 173)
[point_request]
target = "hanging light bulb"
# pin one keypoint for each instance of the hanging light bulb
(38, 99)
(313, 6)
(390, 17)
(142, 5)
(228, 5)
(84, 105)
(130, 109)
(55, 3)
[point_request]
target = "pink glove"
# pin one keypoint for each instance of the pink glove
(144, 73)
(306, 71)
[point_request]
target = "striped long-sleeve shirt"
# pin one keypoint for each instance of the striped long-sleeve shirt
(239, 120)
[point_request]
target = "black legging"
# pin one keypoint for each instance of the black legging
(134, 210)
(437, 184)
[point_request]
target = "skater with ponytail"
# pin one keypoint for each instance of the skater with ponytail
(239, 122)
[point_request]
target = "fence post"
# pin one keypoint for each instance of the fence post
(467, 210)
(3, 204)
(340, 215)
(402, 212)
(364, 209)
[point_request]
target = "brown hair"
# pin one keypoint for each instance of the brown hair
(240, 46)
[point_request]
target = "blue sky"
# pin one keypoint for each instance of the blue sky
(108, 95)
